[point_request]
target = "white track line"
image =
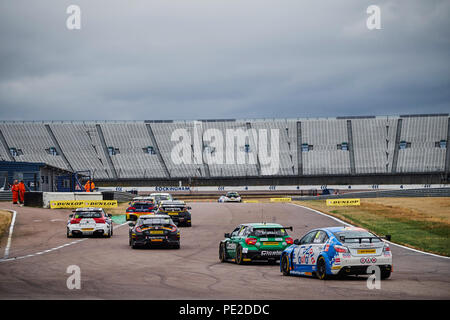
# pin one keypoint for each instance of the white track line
(348, 224)
(11, 229)
(48, 250)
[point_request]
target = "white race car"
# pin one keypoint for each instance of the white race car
(230, 197)
(89, 221)
(161, 197)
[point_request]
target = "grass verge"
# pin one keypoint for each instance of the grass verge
(421, 223)
(5, 220)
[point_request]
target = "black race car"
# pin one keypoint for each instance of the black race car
(177, 210)
(154, 230)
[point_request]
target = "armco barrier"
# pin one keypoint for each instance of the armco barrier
(5, 196)
(34, 199)
(432, 192)
(117, 195)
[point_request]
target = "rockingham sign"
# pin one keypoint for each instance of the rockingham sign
(230, 146)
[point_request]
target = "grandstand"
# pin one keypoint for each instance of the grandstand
(390, 149)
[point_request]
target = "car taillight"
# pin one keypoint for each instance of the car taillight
(131, 209)
(99, 220)
(251, 241)
(75, 221)
(340, 249)
(289, 240)
(386, 248)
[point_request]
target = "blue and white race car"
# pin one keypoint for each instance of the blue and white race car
(337, 251)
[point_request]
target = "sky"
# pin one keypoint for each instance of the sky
(222, 59)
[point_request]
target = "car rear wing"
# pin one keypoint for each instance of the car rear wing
(289, 228)
(343, 238)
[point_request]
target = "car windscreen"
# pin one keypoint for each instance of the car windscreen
(142, 205)
(162, 197)
(269, 232)
(356, 236)
(232, 194)
(87, 215)
(173, 208)
(154, 222)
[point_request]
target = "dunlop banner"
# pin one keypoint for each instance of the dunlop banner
(280, 199)
(71, 204)
(343, 202)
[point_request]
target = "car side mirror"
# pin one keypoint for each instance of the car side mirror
(297, 241)
(189, 208)
(131, 224)
(71, 215)
(109, 215)
(388, 237)
(227, 235)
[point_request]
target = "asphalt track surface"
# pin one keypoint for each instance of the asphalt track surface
(110, 269)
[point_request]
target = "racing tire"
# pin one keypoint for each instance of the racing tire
(285, 265)
(134, 245)
(68, 233)
(385, 274)
(321, 269)
(239, 257)
(222, 253)
(177, 246)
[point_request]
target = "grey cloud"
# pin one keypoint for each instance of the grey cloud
(222, 59)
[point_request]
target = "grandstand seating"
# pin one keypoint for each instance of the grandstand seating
(132, 161)
(423, 133)
(325, 158)
(82, 147)
(374, 143)
(145, 150)
(33, 140)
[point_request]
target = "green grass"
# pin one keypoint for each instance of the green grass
(415, 228)
(428, 236)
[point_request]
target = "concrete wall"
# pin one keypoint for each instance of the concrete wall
(60, 196)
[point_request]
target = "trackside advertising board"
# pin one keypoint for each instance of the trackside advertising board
(343, 202)
(72, 204)
(280, 199)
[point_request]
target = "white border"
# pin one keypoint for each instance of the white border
(11, 229)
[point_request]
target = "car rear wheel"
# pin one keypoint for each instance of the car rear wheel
(68, 233)
(385, 274)
(133, 244)
(285, 267)
(321, 268)
(222, 253)
(239, 259)
(176, 246)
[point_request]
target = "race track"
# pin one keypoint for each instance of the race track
(110, 269)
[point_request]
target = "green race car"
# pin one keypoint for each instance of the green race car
(255, 241)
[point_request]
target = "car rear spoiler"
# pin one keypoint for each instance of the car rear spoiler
(343, 238)
(289, 228)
